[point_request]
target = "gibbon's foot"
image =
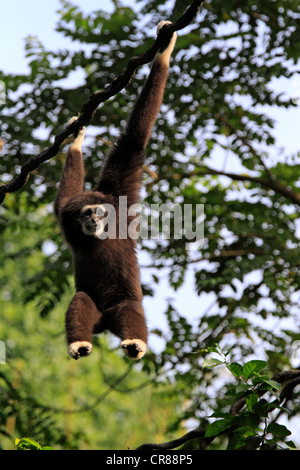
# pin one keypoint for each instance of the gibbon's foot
(134, 348)
(164, 53)
(79, 349)
(78, 139)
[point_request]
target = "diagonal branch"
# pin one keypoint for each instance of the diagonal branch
(195, 433)
(279, 188)
(246, 142)
(270, 183)
(89, 109)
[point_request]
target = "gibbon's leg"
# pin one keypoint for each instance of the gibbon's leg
(121, 173)
(81, 318)
(129, 324)
(73, 175)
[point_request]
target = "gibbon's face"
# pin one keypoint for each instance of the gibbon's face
(91, 219)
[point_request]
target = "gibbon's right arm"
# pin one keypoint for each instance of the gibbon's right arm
(72, 179)
(121, 173)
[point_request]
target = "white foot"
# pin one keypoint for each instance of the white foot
(79, 349)
(165, 54)
(134, 348)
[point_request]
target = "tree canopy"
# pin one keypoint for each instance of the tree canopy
(223, 361)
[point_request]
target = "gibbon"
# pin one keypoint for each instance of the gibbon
(107, 280)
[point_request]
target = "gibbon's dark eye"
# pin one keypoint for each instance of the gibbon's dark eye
(87, 213)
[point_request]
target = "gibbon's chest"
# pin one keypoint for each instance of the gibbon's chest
(108, 276)
(106, 262)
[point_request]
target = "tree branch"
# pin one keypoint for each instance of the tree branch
(89, 108)
(288, 379)
(279, 188)
(213, 257)
(246, 142)
(196, 433)
(269, 183)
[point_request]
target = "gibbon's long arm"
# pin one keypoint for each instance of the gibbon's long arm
(72, 179)
(121, 173)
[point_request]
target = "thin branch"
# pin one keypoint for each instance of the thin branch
(279, 188)
(196, 433)
(213, 257)
(151, 173)
(89, 108)
(246, 142)
(269, 183)
(288, 379)
(86, 407)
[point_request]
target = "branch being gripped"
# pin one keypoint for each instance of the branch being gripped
(89, 108)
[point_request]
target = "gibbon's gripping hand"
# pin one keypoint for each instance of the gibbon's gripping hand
(79, 138)
(164, 54)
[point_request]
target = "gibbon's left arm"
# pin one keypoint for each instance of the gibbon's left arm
(122, 170)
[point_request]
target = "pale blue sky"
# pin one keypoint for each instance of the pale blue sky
(21, 18)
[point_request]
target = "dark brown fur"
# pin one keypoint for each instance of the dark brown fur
(108, 291)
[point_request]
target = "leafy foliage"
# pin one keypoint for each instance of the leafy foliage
(214, 144)
(249, 429)
(29, 444)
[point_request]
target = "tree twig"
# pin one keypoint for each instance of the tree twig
(213, 257)
(273, 184)
(277, 187)
(196, 433)
(82, 409)
(89, 108)
(270, 183)
(246, 142)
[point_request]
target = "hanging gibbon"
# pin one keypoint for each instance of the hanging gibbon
(107, 280)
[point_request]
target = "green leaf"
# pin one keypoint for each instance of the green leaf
(253, 367)
(251, 400)
(291, 444)
(235, 368)
(211, 362)
(218, 426)
(278, 430)
(27, 444)
(252, 443)
(273, 384)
